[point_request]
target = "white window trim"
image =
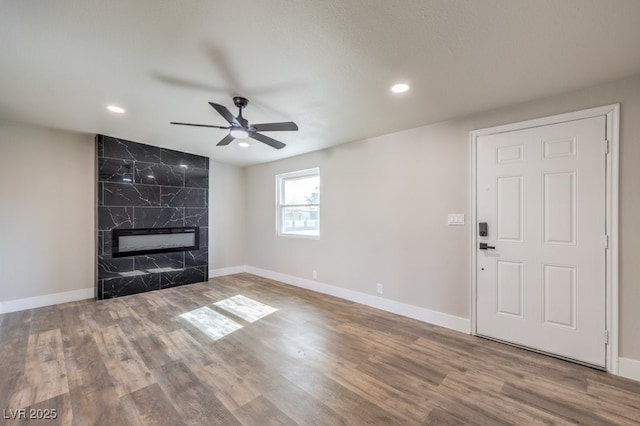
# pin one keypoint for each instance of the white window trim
(279, 183)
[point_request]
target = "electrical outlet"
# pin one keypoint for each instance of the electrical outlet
(315, 274)
(379, 288)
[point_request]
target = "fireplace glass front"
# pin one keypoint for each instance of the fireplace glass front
(132, 242)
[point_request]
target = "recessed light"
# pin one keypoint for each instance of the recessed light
(116, 109)
(400, 88)
(243, 144)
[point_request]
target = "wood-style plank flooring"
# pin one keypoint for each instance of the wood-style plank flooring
(316, 360)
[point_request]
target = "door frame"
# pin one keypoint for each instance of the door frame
(612, 113)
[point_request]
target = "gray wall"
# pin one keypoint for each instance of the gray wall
(47, 225)
(385, 202)
(227, 220)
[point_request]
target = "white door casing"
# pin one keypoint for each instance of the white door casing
(545, 189)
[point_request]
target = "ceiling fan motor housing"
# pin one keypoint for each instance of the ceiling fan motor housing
(240, 102)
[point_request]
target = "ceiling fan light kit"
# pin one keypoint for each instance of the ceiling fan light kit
(240, 128)
(239, 133)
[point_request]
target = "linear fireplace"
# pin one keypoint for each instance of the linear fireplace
(133, 242)
(152, 227)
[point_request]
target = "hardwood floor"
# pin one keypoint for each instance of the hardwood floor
(316, 360)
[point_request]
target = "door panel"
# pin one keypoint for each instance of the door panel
(560, 148)
(510, 279)
(509, 154)
(560, 296)
(558, 204)
(542, 193)
(510, 202)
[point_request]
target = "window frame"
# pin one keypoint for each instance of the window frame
(280, 207)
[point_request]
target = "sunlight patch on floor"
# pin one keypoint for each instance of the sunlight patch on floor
(248, 309)
(211, 323)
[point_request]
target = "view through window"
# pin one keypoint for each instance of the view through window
(299, 203)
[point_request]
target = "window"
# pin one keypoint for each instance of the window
(298, 203)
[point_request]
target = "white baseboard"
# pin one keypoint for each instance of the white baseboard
(629, 368)
(230, 270)
(422, 314)
(46, 300)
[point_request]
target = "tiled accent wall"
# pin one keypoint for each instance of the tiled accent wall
(143, 186)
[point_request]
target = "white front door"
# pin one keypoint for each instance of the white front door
(541, 281)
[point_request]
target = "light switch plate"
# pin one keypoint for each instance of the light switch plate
(455, 219)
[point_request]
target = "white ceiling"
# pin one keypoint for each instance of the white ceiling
(325, 64)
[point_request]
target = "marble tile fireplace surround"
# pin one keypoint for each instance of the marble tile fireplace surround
(152, 206)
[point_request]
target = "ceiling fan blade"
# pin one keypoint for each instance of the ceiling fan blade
(200, 125)
(180, 82)
(269, 141)
(226, 141)
(272, 127)
(223, 111)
